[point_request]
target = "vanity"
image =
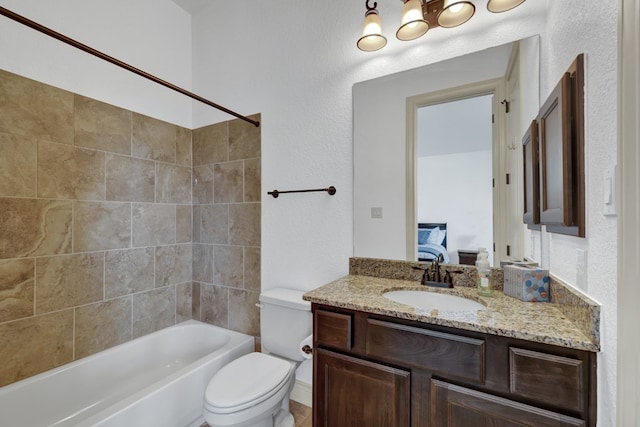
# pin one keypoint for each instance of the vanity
(378, 362)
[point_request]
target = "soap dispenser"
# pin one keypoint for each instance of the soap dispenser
(485, 280)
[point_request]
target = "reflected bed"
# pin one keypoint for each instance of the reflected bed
(432, 241)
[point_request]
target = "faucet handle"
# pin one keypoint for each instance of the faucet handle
(425, 274)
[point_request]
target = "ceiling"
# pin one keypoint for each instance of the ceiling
(193, 6)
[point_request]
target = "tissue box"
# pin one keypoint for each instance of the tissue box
(526, 283)
(519, 262)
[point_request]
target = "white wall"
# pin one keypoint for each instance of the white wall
(575, 26)
(456, 189)
(152, 35)
(296, 63)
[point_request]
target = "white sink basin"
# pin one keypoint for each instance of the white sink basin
(433, 300)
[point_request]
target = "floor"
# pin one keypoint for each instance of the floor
(301, 414)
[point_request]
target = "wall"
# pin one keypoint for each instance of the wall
(154, 36)
(308, 63)
(226, 225)
(591, 30)
(469, 214)
(296, 63)
(95, 226)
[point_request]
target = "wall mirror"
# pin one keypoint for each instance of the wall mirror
(386, 154)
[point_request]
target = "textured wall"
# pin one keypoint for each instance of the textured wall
(296, 62)
(95, 226)
(592, 29)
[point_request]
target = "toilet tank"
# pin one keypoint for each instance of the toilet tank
(285, 320)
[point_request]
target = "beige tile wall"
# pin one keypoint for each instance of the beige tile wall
(226, 225)
(101, 237)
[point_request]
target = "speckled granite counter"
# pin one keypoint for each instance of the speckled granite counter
(503, 316)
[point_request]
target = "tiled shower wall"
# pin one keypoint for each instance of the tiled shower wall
(226, 225)
(96, 228)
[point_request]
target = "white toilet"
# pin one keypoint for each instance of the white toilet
(253, 390)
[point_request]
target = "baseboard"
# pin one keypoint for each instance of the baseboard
(301, 393)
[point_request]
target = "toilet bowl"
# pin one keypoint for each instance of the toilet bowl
(253, 390)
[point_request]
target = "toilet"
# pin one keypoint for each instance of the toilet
(253, 390)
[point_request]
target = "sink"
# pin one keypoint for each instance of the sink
(433, 300)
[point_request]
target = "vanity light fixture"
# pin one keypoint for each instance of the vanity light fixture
(455, 13)
(372, 38)
(413, 24)
(418, 16)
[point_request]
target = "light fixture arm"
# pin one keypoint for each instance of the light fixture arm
(369, 8)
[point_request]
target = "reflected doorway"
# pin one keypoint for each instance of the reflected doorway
(454, 173)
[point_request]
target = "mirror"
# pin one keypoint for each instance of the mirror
(385, 154)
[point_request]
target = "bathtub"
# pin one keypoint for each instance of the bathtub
(157, 380)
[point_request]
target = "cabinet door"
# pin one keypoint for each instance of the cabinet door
(556, 186)
(531, 168)
(455, 406)
(350, 392)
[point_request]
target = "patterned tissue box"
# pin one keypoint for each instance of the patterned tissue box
(526, 283)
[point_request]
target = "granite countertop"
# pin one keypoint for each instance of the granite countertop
(503, 315)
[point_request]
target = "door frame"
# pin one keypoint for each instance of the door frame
(487, 87)
(628, 197)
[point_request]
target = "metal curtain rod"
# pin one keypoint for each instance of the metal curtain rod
(275, 193)
(51, 33)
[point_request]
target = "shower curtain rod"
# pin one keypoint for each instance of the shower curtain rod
(61, 37)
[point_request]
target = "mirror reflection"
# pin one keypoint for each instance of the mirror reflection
(454, 144)
(401, 181)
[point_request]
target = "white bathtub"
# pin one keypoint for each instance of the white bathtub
(157, 380)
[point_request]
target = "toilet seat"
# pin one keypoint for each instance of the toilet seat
(246, 382)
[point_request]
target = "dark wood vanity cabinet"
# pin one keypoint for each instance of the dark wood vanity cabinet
(372, 370)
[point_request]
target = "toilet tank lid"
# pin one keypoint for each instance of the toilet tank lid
(290, 298)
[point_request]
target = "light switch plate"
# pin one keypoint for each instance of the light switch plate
(609, 192)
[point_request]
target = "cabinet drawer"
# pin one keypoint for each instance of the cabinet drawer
(455, 355)
(333, 329)
(547, 378)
